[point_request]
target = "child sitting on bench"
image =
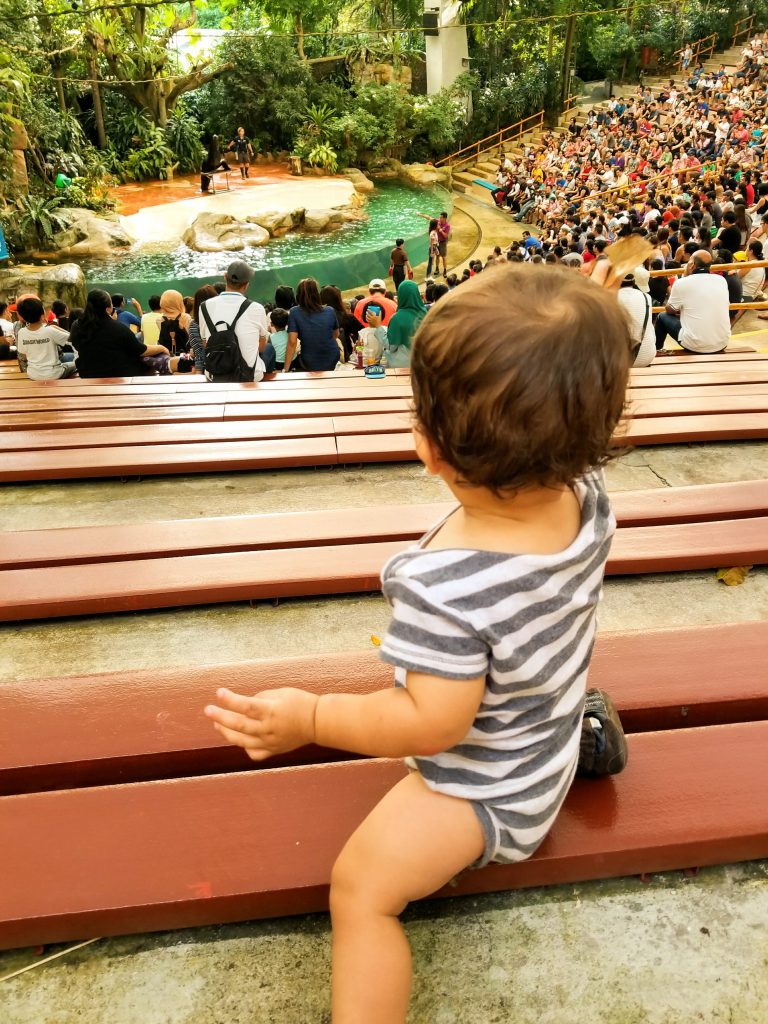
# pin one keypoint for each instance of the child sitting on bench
(493, 615)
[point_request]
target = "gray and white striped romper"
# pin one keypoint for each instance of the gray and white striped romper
(527, 623)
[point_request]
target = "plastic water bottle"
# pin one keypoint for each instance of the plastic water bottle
(359, 354)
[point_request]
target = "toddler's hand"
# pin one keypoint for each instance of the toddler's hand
(272, 722)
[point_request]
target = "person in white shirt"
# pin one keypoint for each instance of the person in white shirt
(39, 344)
(251, 329)
(637, 307)
(6, 326)
(697, 314)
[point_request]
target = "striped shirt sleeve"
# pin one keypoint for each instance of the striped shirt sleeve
(425, 636)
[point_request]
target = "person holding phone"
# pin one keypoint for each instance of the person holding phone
(377, 290)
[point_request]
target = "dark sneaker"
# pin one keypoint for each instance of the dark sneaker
(603, 748)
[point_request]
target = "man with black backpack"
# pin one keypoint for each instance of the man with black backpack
(234, 330)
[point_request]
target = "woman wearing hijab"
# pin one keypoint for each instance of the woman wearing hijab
(174, 329)
(403, 325)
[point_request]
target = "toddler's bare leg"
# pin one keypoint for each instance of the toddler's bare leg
(411, 844)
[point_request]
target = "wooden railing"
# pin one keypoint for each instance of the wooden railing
(716, 267)
(742, 30)
(498, 140)
(571, 104)
(701, 48)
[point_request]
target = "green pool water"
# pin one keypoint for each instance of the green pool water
(346, 258)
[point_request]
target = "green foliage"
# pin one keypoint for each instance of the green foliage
(323, 156)
(267, 92)
(183, 137)
(611, 48)
(38, 220)
(150, 161)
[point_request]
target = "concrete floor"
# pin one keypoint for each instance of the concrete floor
(675, 951)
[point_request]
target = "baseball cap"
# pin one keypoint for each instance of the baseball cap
(377, 285)
(239, 272)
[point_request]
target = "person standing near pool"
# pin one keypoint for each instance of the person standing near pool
(399, 266)
(243, 151)
(443, 234)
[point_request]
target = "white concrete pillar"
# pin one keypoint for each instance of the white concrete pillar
(447, 52)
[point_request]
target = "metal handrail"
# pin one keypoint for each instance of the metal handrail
(743, 27)
(476, 149)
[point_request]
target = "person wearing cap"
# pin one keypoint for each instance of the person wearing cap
(251, 329)
(697, 314)
(376, 296)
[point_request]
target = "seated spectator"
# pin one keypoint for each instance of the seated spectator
(753, 279)
(6, 325)
(278, 328)
(232, 309)
(39, 344)
(124, 316)
(315, 325)
(697, 309)
(731, 278)
(349, 326)
(377, 294)
(196, 346)
(61, 314)
(658, 287)
(285, 297)
(150, 322)
(174, 327)
(637, 306)
(403, 325)
(107, 348)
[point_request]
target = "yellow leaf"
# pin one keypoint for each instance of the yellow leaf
(375, 640)
(733, 577)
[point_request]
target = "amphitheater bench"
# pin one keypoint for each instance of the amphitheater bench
(366, 438)
(198, 851)
(28, 549)
(97, 588)
(64, 732)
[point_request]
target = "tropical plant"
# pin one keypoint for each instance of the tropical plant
(182, 136)
(151, 161)
(38, 219)
(323, 156)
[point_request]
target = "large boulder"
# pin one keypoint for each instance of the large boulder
(86, 234)
(316, 220)
(276, 222)
(65, 282)
(221, 232)
(383, 168)
(426, 174)
(359, 180)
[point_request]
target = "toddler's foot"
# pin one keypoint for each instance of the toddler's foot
(603, 749)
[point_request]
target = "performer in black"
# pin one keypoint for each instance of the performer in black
(243, 151)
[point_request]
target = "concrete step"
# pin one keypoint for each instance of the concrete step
(464, 178)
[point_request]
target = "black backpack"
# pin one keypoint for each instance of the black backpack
(223, 359)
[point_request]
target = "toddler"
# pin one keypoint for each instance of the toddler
(519, 381)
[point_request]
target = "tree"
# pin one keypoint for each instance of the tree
(135, 44)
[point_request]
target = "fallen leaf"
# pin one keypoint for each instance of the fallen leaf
(375, 640)
(735, 576)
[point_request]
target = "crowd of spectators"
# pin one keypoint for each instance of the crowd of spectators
(682, 167)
